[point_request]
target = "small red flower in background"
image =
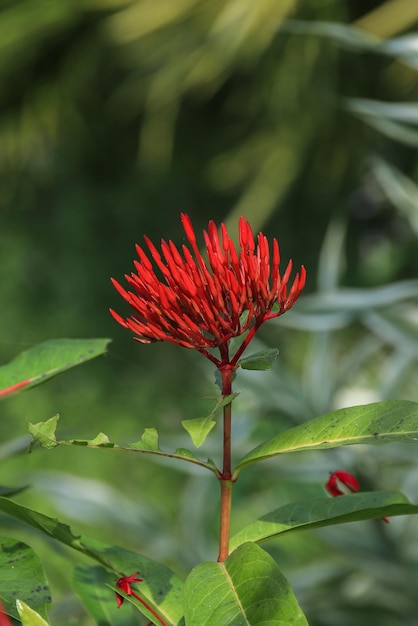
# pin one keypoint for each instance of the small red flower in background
(341, 478)
(202, 305)
(124, 584)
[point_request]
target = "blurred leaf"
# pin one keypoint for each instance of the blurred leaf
(320, 512)
(263, 360)
(6, 492)
(384, 118)
(344, 34)
(339, 308)
(38, 364)
(28, 616)
(401, 190)
(22, 576)
(378, 423)
(332, 257)
(247, 588)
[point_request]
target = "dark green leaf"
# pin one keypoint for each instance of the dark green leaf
(22, 577)
(263, 360)
(381, 422)
(36, 365)
(246, 589)
(318, 512)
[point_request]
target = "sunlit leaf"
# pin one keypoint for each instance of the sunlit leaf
(38, 364)
(199, 428)
(28, 616)
(22, 577)
(381, 422)
(248, 588)
(319, 512)
(44, 432)
(148, 441)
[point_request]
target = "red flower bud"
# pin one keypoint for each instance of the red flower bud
(342, 478)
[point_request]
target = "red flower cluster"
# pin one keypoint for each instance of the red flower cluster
(201, 304)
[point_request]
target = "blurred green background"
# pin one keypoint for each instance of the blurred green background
(115, 116)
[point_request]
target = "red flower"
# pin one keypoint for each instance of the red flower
(124, 584)
(340, 477)
(203, 305)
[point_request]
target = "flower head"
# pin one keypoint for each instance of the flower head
(203, 304)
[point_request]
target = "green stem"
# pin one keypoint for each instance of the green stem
(225, 478)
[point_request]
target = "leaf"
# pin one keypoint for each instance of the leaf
(161, 589)
(319, 512)
(380, 422)
(161, 586)
(200, 427)
(263, 360)
(12, 491)
(246, 589)
(22, 576)
(28, 616)
(44, 432)
(92, 585)
(148, 441)
(36, 365)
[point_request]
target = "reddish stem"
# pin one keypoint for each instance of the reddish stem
(147, 606)
(225, 478)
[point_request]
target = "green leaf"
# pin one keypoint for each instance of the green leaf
(36, 365)
(246, 589)
(28, 616)
(12, 491)
(44, 432)
(148, 441)
(161, 587)
(319, 512)
(92, 585)
(263, 360)
(21, 576)
(381, 422)
(198, 429)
